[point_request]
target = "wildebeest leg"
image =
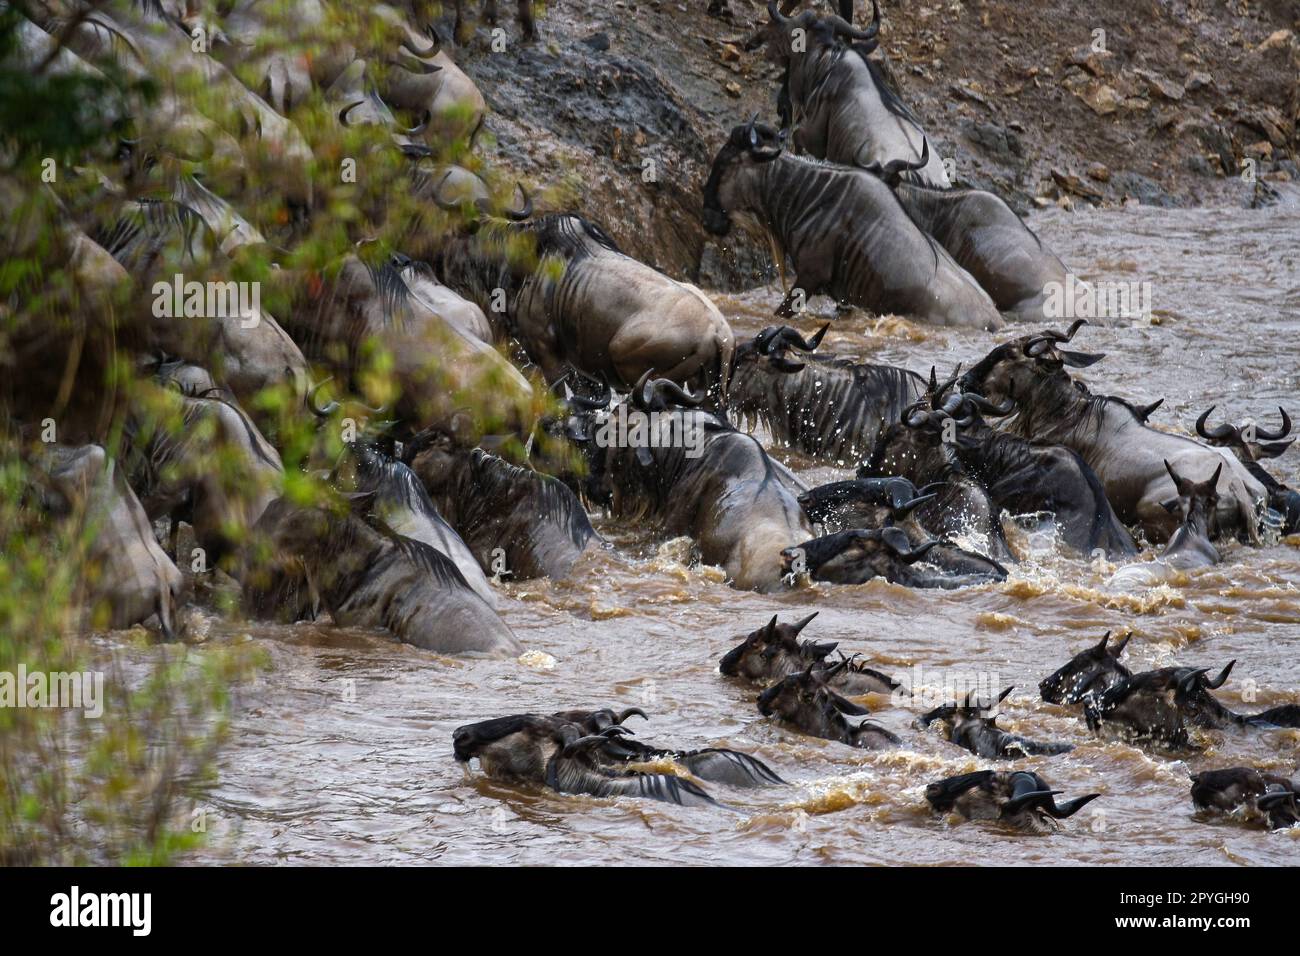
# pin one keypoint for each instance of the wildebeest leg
(173, 533)
(779, 259)
(526, 19)
(460, 30)
(490, 11)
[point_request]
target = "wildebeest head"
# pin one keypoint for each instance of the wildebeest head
(773, 345)
(1248, 442)
(1018, 798)
(1015, 368)
(773, 652)
(805, 701)
(952, 714)
(865, 502)
(778, 36)
(1197, 501)
(1087, 673)
(855, 557)
(891, 173)
(750, 144)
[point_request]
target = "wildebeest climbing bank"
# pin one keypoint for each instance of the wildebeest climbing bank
(488, 433)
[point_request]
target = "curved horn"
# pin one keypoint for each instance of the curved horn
(421, 126)
(984, 405)
(1219, 432)
(343, 113)
(1118, 649)
(1223, 676)
(320, 412)
(525, 211)
(1070, 807)
(800, 625)
(632, 712)
(676, 393)
(1187, 683)
(1144, 412)
(840, 27)
(1280, 433)
(774, 12)
(899, 512)
(1101, 645)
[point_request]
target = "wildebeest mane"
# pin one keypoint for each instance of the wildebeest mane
(427, 558)
(151, 220)
(567, 235)
(492, 476)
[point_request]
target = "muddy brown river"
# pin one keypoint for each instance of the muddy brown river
(341, 751)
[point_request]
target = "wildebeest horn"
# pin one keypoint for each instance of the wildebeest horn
(1031, 798)
(984, 405)
(800, 625)
(641, 391)
(421, 126)
(1280, 433)
(632, 712)
(914, 416)
(1070, 807)
(320, 412)
(525, 211)
(343, 113)
(1144, 412)
(1223, 676)
(676, 393)
(1218, 432)
(841, 27)
(901, 511)
(1123, 643)
(1267, 801)
(1101, 645)
(1069, 334)
(774, 12)
(1080, 359)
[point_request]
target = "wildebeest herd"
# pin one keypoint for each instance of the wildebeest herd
(661, 405)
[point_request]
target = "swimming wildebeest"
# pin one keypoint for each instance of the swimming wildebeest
(516, 522)
(837, 100)
(1249, 793)
(1017, 798)
(1088, 673)
(986, 238)
(1250, 443)
(577, 300)
(823, 405)
(856, 557)
(843, 230)
(774, 652)
(125, 578)
(659, 455)
(1110, 435)
(1160, 705)
(806, 702)
(367, 575)
(1189, 547)
(971, 724)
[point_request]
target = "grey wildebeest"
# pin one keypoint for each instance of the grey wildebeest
(858, 556)
(1250, 794)
(367, 575)
(971, 725)
(1017, 798)
(558, 752)
(515, 521)
(578, 301)
(658, 455)
(1250, 443)
(1111, 435)
(463, 29)
(1160, 705)
(843, 230)
(1087, 674)
(774, 652)
(805, 701)
(826, 406)
(986, 238)
(840, 106)
(126, 577)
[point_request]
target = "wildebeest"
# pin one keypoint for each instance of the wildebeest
(126, 578)
(1253, 794)
(464, 30)
(402, 503)
(1110, 434)
(858, 556)
(1189, 547)
(577, 300)
(1088, 673)
(1017, 798)
(1250, 443)
(516, 521)
(367, 575)
(840, 105)
(843, 230)
(658, 455)
(826, 406)
(557, 752)
(1160, 705)
(774, 652)
(971, 724)
(805, 701)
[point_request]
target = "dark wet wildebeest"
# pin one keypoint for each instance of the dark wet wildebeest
(402, 503)
(774, 652)
(1026, 478)
(856, 557)
(1190, 546)
(837, 100)
(558, 752)
(1160, 705)
(1110, 434)
(711, 764)
(972, 725)
(516, 522)
(1250, 443)
(1088, 673)
(1249, 793)
(806, 702)
(822, 405)
(1017, 798)
(126, 577)
(367, 575)
(986, 238)
(843, 230)
(659, 456)
(578, 301)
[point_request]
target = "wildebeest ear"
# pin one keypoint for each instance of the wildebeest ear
(896, 538)
(1272, 449)
(1101, 645)
(359, 502)
(1080, 359)
(1118, 649)
(847, 707)
(1170, 505)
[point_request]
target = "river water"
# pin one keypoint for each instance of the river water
(341, 751)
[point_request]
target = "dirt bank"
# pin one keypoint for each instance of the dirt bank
(623, 104)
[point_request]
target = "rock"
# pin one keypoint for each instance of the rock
(1261, 150)
(1276, 40)
(1072, 183)
(1101, 99)
(597, 41)
(1099, 171)
(994, 140)
(730, 53)
(1089, 59)
(1161, 86)
(966, 90)
(1142, 188)
(1200, 165)
(1198, 80)
(733, 89)
(1267, 120)
(1218, 141)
